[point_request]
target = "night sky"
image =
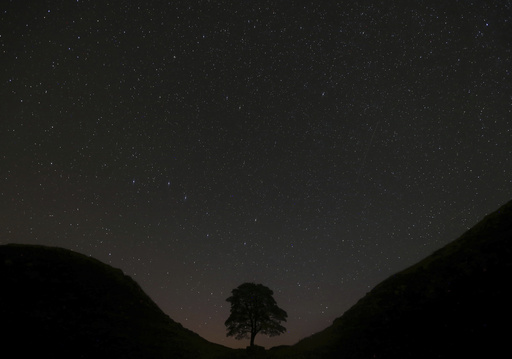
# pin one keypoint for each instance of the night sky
(316, 147)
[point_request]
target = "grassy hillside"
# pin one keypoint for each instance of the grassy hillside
(65, 305)
(453, 304)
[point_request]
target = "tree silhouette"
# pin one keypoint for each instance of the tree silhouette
(253, 311)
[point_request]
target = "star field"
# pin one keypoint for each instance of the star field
(314, 147)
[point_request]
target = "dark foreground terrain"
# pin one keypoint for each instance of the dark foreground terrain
(453, 304)
(60, 304)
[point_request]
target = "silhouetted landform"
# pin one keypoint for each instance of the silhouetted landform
(453, 304)
(456, 303)
(55, 303)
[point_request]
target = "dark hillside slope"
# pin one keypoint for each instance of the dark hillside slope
(60, 304)
(456, 303)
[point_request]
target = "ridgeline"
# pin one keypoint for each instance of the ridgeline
(453, 304)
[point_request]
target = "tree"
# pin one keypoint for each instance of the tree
(253, 311)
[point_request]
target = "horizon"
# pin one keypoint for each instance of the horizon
(242, 344)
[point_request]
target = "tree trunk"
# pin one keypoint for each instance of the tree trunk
(252, 338)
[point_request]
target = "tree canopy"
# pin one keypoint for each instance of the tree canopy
(253, 311)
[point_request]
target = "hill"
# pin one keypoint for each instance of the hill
(453, 304)
(61, 304)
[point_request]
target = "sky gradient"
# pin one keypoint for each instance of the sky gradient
(316, 147)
